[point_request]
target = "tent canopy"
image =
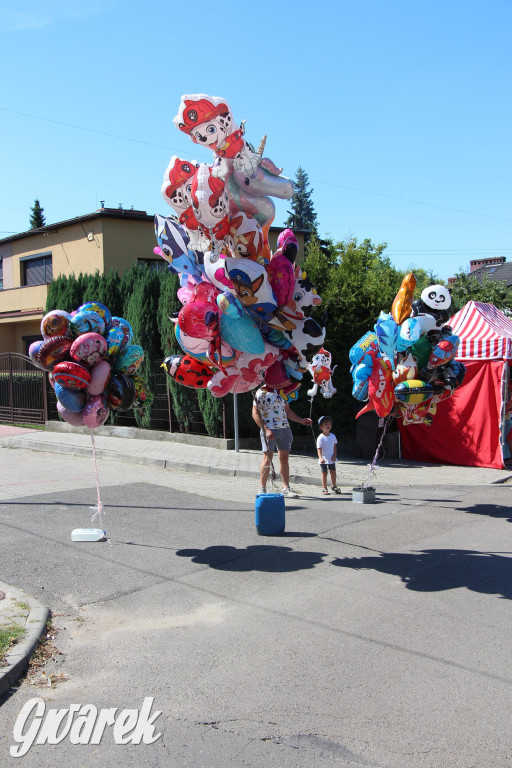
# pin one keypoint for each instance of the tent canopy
(468, 426)
(485, 333)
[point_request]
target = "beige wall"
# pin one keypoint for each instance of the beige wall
(23, 299)
(11, 334)
(125, 241)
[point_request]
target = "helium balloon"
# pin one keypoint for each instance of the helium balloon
(120, 322)
(76, 419)
(72, 399)
(129, 359)
(71, 375)
(116, 340)
(121, 392)
(413, 391)
(89, 348)
(56, 323)
(101, 309)
(188, 371)
(53, 350)
(402, 305)
(100, 376)
(87, 321)
(33, 353)
(95, 411)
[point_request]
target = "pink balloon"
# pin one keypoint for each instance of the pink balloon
(281, 277)
(199, 319)
(100, 375)
(95, 411)
(72, 417)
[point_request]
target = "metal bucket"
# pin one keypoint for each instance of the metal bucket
(363, 495)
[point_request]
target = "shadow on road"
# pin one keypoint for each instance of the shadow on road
(490, 510)
(436, 570)
(257, 557)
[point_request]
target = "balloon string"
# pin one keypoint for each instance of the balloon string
(373, 465)
(98, 509)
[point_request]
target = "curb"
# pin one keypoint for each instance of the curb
(35, 625)
(183, 466)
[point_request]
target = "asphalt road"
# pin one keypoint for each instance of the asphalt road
(368, 635)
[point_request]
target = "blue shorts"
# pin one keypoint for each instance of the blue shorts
(282, 440)
(324, 467)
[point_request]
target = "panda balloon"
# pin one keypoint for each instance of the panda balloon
(432, 309)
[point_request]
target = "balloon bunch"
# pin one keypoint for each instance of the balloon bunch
(244, 319)
(407, 364)
(92, 363)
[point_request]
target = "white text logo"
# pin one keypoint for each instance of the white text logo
(82, 724)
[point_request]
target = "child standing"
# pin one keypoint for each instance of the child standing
(327, 446)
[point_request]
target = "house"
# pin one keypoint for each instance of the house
(493, 268)
(109, 238)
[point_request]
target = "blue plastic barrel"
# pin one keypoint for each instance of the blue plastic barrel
(270, 517)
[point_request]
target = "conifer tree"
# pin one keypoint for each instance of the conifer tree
(37, 218)
(302, 214)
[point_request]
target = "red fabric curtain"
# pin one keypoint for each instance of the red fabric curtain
(466, 427)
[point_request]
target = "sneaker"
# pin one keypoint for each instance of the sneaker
(261, 490)
(289, 493)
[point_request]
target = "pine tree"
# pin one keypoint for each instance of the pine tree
(37, 218)
(302, 214)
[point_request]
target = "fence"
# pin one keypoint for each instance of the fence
(23, 390)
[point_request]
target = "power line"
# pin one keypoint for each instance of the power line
(90, 130)
(314, 181)
(407, 200)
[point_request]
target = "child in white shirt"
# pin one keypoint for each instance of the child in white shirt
(327, 446)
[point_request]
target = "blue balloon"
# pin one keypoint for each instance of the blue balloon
(71, 399)
(361, 347)
(241, 333)
(387, 334)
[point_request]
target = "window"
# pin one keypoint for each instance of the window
(36, 269)
(154, 264)
(1, 275)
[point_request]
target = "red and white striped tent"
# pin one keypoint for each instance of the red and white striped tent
(468, 428)
(485, 332)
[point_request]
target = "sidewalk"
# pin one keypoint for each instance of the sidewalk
(169, 455)
(20, 610)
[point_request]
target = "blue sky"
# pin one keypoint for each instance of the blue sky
(399, 111)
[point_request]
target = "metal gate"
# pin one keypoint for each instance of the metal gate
(22, 390)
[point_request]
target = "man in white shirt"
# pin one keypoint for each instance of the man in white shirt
(272, 414)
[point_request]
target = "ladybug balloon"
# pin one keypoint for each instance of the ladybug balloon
(187, 371)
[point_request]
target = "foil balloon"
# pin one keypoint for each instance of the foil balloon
(281, 277)
(33, 353)
(54, 350)
(87, 321)
(74, 418)
(72, 399)
(100, 376)
(100, 309)
(413, 391)
(245, 238)
(129, 360)
(320, 369)
(56, 323)
(89, 348)
(71, 375)
(121, 392)
(120, 322)
(174, 240)
(402, 305)
(116, 339)
(95, 411)
(188, 371)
